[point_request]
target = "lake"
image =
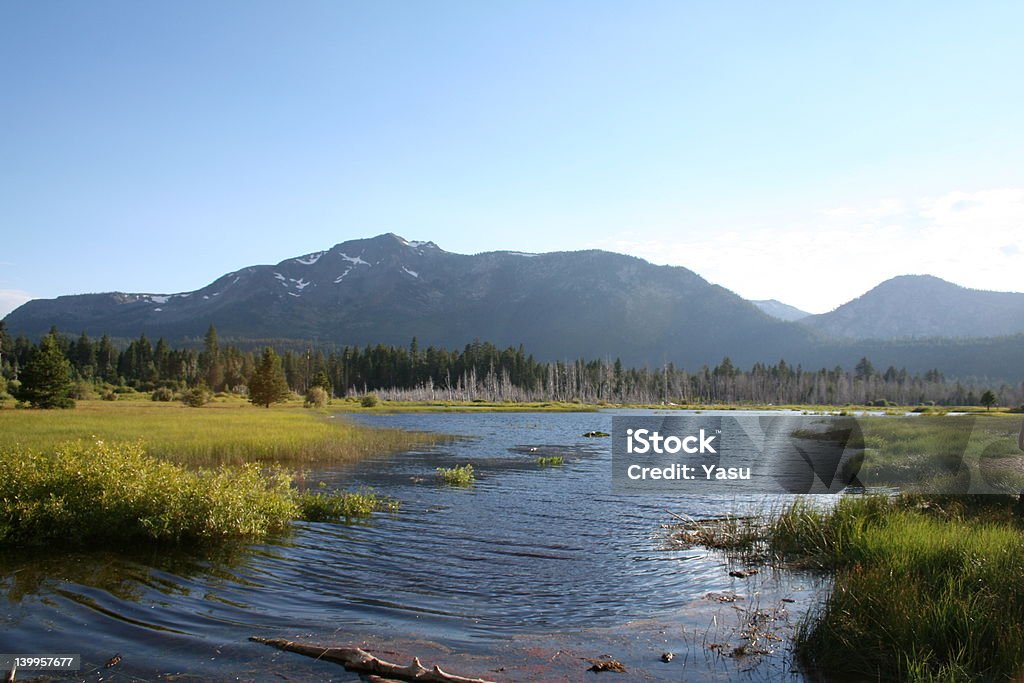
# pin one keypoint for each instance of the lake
(523, 576)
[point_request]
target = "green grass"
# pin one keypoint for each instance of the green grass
(941, 453)
(925, 589)
(550, 461)
(227, 431)
(459, 475)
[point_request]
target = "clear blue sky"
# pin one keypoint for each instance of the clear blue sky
(802, 151)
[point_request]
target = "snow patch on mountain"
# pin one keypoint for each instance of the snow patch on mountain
(355, 260)
(410, 272)
(310, 259)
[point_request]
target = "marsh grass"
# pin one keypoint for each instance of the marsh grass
(227, 431)
(459, 475)
(939, 453)
(550, 461)
(331, 507)
(925, 589)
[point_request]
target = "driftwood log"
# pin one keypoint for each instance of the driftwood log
(360, 661)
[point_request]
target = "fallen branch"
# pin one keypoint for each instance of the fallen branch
(362, 662)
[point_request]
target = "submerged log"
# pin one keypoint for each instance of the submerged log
(360, 661)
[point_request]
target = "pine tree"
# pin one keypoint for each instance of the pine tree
(268, 384)
(46, 378)
(210, 362)
(988, 399)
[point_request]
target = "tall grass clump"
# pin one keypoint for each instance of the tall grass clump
(97, 491)
(459, 475)
(919, 594)
(330, 507)
(550, 461)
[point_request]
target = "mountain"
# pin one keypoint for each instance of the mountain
(559, 306)
(777, 309)
(921, 306)
(385, 289)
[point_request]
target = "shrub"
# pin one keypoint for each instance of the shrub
(85, 492)
(460, 475)
(83, 391)
(316, 397)
(197, 397)
(109, 395)
(163, 394)
(369, 401)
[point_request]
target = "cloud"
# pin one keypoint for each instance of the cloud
(11, 299)
(821, 259)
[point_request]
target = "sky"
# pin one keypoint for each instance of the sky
(802, 151)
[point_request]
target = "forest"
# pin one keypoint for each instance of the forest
(482, 371)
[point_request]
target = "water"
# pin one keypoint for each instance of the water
(529, 570)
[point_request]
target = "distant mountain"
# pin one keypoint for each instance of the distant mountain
(922, 306)
(559, 306)
(777, 309)
(386, 289)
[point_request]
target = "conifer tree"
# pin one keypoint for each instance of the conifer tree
(268, 384)
(46, 378)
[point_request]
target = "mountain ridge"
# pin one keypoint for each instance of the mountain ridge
(558, 305)
(923, 306)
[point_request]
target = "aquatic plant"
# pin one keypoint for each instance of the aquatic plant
(330, 507)
(459, 475)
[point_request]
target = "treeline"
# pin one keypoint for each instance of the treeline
(482, 371)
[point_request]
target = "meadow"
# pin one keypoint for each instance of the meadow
(116, 471)
(227, 431)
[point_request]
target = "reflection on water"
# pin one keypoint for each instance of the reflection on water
(527, 558)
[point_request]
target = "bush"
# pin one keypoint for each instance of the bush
(86, 492)
(369, 401)
(109, 395)
(83, 391)
(316, 397)
(197, 397)
(163, 394)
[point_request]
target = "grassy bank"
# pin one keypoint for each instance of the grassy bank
(227, 431)
(925, 588)
(354, 405)
(942, 454)
(382, 406)
(115, 493)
